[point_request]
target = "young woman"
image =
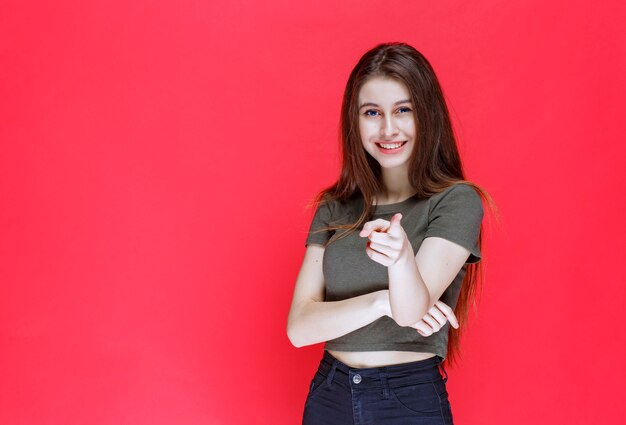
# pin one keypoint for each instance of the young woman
(394, 246)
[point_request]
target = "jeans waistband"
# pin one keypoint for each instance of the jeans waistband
(426, 370)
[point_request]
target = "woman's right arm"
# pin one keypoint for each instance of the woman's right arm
(312, 320)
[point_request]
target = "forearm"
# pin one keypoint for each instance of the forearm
(409, 297)
(324, 320)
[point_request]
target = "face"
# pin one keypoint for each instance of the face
(386, 121)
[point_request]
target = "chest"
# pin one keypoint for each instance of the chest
(349, 272)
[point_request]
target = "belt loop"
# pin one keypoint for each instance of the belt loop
(331, 374)
(383, 381)
(439, 361)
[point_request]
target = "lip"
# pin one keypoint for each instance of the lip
(391, 151)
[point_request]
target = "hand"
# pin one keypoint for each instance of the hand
(435, 319)
(387, 240)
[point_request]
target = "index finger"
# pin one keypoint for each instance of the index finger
(378, 224)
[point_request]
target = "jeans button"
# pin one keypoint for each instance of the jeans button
(356, 379)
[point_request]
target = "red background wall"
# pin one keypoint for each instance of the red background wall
(156, 157)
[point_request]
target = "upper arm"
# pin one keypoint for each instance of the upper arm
(451, 239)
(310, 281)
(439, 261)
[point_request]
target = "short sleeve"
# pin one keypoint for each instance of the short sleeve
(456, 214)
(321, 219)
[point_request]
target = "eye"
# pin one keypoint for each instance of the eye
(404, 109)
(367, 113)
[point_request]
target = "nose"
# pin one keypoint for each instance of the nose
(389, 128)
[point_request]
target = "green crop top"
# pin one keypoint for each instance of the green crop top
(454, 214)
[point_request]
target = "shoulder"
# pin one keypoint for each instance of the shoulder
(332, 209)
(461, 194)
(325, 202)
(456, 214)
(457, 188)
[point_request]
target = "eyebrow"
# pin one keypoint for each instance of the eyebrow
(397, 103)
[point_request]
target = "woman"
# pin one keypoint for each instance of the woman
(393, 247)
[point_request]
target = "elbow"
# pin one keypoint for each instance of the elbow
(409, 315)
(294, 340)
(300, 330)
(405, 322)
(296, 343)
(294, 336)
(407, 318)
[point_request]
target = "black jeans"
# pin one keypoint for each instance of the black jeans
(406, 393)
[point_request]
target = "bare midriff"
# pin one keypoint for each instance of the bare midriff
(378, 358)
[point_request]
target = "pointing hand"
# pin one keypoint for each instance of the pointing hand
(387, 240)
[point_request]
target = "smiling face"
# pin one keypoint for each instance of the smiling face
(386, 121)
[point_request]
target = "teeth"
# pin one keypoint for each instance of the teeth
(391, 146)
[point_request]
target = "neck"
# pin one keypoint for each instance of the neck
(396, 187)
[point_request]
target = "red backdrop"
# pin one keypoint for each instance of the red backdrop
(156, 158)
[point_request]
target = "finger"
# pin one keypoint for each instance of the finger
(423, 328)
(378, 257)
(386, 250)
(378, 224)
(385, 239)
(432, 322)
(438, 315)
(394, 226)
(445, 309)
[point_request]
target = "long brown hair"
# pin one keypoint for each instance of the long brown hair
(434, 165)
